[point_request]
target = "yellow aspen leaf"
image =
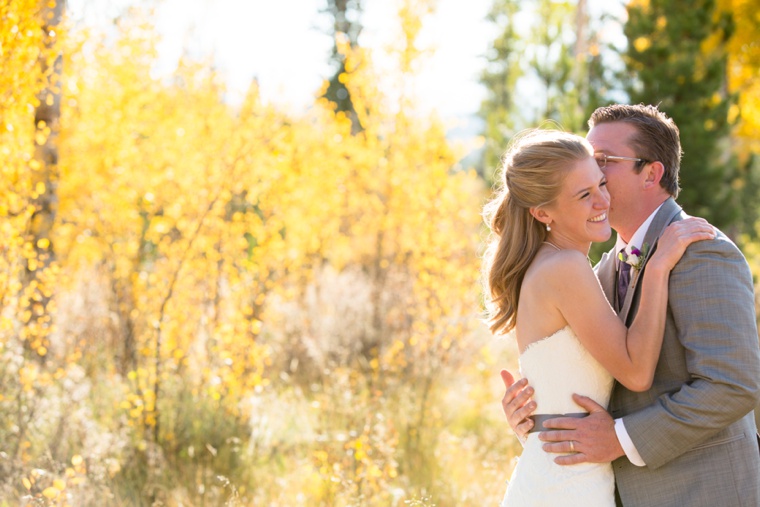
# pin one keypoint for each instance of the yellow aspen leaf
(641, 44)
(733, 113)
(27, 483)
(59, 484)
(51, 493)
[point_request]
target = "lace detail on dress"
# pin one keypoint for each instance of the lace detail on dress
(555, 333)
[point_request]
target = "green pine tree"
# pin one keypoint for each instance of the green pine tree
(557, 63)
(345, 16)
(500, 79)
(676, 57)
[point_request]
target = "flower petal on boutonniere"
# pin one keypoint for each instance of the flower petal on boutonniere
(636, 258)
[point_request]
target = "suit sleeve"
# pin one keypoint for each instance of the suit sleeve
(712, 314)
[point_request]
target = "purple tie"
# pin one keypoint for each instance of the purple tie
(624, 278)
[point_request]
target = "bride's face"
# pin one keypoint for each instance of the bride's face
(579, 214)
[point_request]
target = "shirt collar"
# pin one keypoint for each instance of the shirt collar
(638, 236)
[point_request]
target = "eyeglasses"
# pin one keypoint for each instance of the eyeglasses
(602, 158)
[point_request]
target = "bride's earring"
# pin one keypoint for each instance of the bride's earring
(548, 228)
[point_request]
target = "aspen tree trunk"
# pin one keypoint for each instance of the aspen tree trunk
(46, 118)
(581, 47)
(581, 27)
(45, 180)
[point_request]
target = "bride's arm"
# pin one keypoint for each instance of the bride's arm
(630, 355)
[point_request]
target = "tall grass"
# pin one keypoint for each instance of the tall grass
(331, 426)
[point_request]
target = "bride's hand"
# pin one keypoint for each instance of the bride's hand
(679, 235)
(517, 405)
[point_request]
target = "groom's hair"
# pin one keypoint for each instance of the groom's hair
(656, 138)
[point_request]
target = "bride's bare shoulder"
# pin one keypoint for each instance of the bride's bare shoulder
(561, 262)
(550, 280)
(560, 269)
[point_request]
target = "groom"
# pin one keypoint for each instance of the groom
(691, 438)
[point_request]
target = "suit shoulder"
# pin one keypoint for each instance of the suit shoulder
(721, 244)
(718, 260)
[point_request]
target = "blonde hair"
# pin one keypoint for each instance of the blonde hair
(531, 174)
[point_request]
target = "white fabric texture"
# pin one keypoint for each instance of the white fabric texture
(558, 366)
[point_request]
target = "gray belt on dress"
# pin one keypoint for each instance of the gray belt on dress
(538, 419)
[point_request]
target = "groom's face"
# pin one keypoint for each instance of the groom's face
(623, 182)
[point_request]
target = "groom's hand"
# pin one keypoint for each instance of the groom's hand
(593, 437)
(517, 404)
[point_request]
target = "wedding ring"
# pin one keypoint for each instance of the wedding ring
(572, 446)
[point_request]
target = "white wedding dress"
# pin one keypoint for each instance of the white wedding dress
(558, 366)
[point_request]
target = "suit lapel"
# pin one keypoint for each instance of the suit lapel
(661, 220)
(606, 271)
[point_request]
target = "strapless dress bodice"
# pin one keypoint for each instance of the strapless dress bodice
(558, 366)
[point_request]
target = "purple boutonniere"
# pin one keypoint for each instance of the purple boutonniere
(636, 258)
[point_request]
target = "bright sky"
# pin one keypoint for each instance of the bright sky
(281, 43)
(284, 45)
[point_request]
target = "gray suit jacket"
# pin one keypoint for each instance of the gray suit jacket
(695, 427)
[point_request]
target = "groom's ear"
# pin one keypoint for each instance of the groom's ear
(653, 173)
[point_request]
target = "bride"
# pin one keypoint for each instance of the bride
(552, 205)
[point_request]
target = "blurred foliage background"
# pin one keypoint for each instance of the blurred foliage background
(208, 304)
